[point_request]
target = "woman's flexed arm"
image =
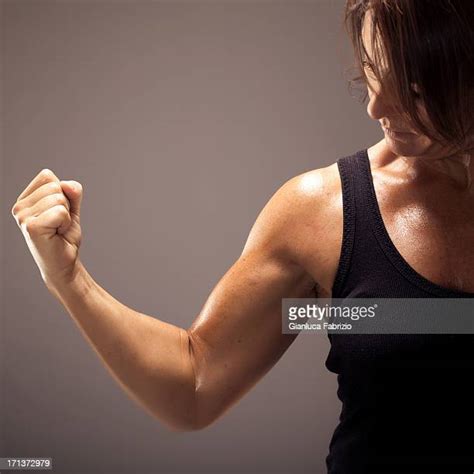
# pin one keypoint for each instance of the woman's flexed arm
(237, 337)
(145, 355)
(188, 378)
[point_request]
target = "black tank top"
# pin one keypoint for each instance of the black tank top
(407, 399)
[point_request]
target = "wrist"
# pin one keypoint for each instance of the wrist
(77, 282)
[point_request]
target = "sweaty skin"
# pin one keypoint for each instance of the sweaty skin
(425, 191)
(426, 198)
(430, 221)
(188, 378)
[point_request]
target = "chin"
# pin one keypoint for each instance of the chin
(416, 149)
(409, 144)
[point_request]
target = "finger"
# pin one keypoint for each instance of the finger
(51, 187)
(53, 218)
(73, 191)
(47, 202)
(44, 176)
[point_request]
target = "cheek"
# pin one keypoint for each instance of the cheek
(424, 118)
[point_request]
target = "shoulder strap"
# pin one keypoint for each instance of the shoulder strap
(357, 230)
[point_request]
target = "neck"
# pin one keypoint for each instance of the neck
(455, 169)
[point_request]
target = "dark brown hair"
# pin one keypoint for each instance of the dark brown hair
(427, 48)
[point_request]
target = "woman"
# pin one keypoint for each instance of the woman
(409, 232)
(393, 220)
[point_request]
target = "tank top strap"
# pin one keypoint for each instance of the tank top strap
(363, 270)
(370, 265)
(360, 254)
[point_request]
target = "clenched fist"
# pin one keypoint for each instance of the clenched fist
(47, 212)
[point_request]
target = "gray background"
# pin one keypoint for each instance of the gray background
(180, 119)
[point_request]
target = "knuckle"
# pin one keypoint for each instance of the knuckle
(29, 225)
(15, 209)
(54, 187)
(46, 176)
(60, 210)
(20, 218)
(46, 172)
(63, 211)
(57, 198)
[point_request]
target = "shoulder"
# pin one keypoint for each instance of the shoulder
(320, 223)
(317, 186)
(303, 221)
(310, 199)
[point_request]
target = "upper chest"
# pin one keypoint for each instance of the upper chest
(432, 232)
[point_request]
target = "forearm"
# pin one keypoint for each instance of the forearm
(149, 358)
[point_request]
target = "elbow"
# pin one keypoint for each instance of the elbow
(186, 414)
(202, 418)
(178, 424)
(202, 409)
(186, 425)
(185, 428)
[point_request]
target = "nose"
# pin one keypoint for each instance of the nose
(379, 107)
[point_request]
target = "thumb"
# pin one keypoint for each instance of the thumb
(73, 191)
